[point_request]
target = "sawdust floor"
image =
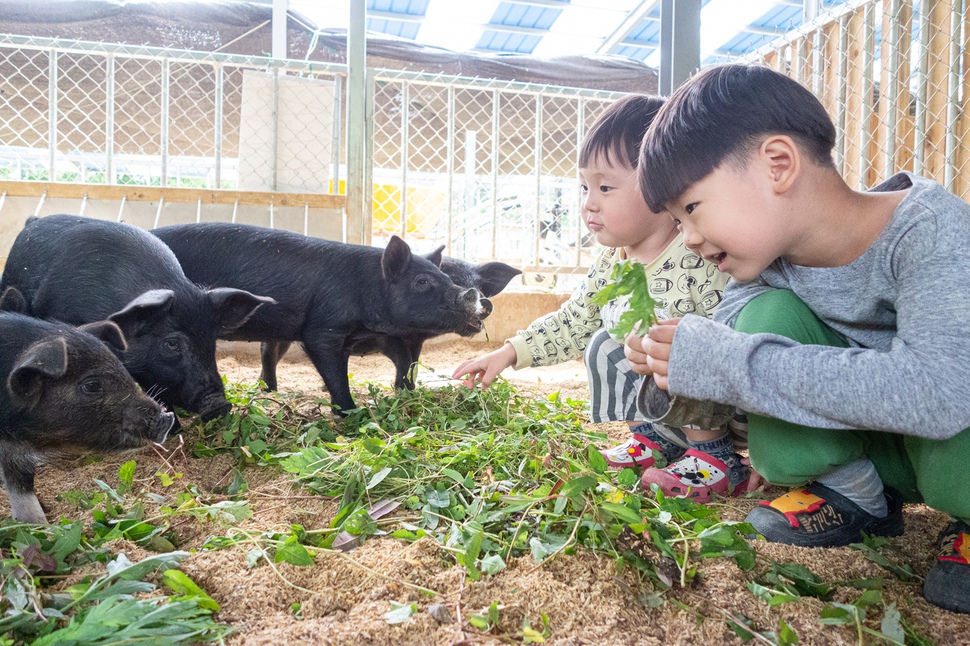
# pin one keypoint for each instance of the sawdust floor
(343, 597)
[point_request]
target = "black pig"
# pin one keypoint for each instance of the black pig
(64, 391)
(325, 292)
(79, 270)
(404, 351)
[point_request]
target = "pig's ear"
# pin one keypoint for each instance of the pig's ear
(495, 276)
(143, 311)
(435, 256)
(13, 301)
(233, 307)
(43, 360)
(108, 333)
(396, 258)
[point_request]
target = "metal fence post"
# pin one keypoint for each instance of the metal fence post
(109, 121)
(52, 116)
(405, 153)
(163, 129)
(218, 117)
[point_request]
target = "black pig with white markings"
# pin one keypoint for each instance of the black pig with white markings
(404, 351)
(64, 391)
(325, 292)
(78, 270)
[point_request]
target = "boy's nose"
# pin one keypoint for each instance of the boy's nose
(691, 239)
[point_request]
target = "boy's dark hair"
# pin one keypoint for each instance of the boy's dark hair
(723, 114)
(618, 132)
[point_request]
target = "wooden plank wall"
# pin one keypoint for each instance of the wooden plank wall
(877, 113)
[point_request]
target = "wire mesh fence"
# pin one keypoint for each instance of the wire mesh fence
(894, 75)
(110, 114)
(486, 168)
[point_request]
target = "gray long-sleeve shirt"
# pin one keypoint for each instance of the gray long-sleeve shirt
(903, 306)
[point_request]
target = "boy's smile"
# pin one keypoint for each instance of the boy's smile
(726, 219)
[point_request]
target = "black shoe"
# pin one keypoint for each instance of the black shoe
(948, 581)
(817, 516)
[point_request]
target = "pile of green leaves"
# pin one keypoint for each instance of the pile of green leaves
(629, 280)
(107, 609)
(492, 475)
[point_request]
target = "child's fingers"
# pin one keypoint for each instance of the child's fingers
(657, 350)
(663, 332)
(465, 368)
(633, 350)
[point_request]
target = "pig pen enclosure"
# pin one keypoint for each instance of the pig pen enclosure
(442, 515)
(439, 516)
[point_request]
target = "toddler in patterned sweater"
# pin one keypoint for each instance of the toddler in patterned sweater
(699, 461)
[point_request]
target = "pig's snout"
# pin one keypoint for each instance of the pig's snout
(163, 426)
(145, 422)
(213, 407)
(468, 300)
(486, 308)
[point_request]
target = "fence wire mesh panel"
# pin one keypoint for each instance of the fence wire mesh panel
(487, 169)
(158, 117)
(894, 75)
(24, 113)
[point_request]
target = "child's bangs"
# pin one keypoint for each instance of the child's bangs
(665, 174)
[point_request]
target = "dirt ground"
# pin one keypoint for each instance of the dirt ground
(344, 596)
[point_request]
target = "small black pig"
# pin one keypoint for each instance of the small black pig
(404, 351)
(64, 390)
(79, 270)
(325, 292)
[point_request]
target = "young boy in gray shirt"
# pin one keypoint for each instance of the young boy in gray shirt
(844, 331)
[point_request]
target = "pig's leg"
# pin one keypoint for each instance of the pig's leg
(271, 353)
(414, 346)
(18, 479)
(326, 351)
(398, 350)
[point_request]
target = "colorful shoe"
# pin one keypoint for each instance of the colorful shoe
(637, 451)
(817, 516)
(697, 475)
(948, 581)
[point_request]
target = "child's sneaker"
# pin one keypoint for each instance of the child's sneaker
(697, 475)
(948, 581)
(817, 516)
(638, 450)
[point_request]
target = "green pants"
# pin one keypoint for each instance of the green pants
(936, 472)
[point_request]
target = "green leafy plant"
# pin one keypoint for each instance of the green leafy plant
(629, 280)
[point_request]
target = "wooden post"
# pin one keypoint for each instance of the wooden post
(854, 101)
(962, 186)
(934, 143)
(904, 99)
(829, 95)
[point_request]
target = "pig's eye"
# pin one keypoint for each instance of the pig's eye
(172, 345)
(91, 387)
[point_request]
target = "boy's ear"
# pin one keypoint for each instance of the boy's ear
(783, 161)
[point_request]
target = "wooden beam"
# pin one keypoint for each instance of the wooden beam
(58, 190)
(934, 143)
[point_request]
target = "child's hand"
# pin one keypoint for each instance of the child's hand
(636, 354)
(649, 355)
(486, 367)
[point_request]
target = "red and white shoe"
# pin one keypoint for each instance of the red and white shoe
(637, 451)
(697, 475)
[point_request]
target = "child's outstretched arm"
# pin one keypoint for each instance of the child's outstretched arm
(487, 367)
